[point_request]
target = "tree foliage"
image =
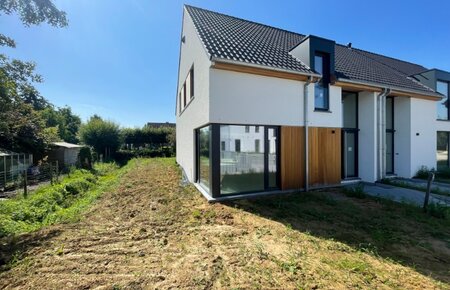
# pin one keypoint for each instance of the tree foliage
(102, 135)
(34, 12)
(149, 136)
(28, 122)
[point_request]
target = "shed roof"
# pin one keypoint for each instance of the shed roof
(66, 145)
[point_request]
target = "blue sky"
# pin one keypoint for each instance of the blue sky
(119, 58)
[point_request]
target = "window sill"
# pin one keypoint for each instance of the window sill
(187, 105)
(443, 120)
(322, 111)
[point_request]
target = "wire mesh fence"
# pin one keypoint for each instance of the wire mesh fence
(23, 178)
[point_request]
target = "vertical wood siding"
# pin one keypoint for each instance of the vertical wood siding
(324, 157)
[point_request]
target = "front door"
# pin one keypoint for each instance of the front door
(350, 135)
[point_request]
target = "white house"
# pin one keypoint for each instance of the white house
(261, 109)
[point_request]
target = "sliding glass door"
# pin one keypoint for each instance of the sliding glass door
(251, 167)
(235, 159)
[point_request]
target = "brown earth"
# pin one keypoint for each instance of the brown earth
(153, 233)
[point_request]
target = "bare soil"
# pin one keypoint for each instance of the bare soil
(153, 233)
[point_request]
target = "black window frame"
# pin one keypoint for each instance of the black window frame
(448, 98)
(237, 144)
(392, 131)
(355, 131)
(324, 82)
(448, 148)
(215, 155)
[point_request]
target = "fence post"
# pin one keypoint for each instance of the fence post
(57, 171)
(51, 173)
(4, 171)
(427, 194)
(25, 183)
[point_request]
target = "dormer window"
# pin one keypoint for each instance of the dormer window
(321, 92)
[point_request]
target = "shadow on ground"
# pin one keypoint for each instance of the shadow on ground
(400, 232)
(15, 248)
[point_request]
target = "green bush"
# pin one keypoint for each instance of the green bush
(78, 186)
(106, 168)
(355, 191)
(423, 172)
(164, 151)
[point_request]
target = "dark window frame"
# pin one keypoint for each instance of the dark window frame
(448, 98)
(324, 81)
(392, 131)
(183, 99)
(237, 145)
(448, 148)
(215, 159)
(354, 131)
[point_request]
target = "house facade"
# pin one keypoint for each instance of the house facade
(260, 109)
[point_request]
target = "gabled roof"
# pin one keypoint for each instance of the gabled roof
(230, 38)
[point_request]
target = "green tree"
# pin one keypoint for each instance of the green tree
(64, 120)
(103, 136)
(22, 127)
(31, 12)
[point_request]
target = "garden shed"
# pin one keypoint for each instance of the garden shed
(65, 153)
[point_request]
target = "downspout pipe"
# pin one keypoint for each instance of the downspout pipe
(381, 133)
(306, 123)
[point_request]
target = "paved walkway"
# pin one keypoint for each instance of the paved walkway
(403, 194)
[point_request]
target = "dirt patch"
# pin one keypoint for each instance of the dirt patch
(153, 233)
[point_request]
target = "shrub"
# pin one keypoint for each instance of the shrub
(355, 191)
(423, 172)
(78, 186)
(85, 158)
(443, 173)
(103, 169)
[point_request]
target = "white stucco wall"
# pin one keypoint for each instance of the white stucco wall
(402, 136)
(332, 118)
(241, 98)
(367, 137)
(423, 136)
(196, 114)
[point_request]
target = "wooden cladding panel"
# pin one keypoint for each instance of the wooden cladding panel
(324, 157)
(292, 157)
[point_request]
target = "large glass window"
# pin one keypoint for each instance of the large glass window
(442, 150)
(442, 106)
(349, 135)
(204, 145)
(321, 95)
(241, 169)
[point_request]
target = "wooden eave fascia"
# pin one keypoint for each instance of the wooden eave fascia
(394, 91)
(263, 71)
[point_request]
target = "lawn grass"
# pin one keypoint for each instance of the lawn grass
(153, 231)
(61, 202)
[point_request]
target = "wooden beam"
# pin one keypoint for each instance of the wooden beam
(260, 71)
(395, 93)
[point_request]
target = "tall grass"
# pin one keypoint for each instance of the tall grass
(60, 202)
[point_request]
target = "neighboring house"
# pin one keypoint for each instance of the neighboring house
(261, 109)
(65, 153)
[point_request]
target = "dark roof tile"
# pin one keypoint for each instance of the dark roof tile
(245, 41)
